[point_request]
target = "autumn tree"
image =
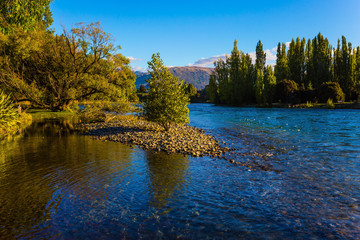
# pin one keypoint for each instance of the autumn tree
(25, 14)
(167, 101)
(52, 71)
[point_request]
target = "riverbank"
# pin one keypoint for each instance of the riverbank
(147, 135)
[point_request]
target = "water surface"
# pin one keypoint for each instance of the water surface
(299, 178)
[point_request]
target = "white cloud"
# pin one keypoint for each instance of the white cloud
(270, 58)
(134, 59)
(207, 62)
(139, 69)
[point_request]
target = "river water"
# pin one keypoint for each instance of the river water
(297, 177)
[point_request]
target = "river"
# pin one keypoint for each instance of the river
(298, 177)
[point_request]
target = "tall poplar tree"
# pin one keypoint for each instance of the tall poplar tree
(269, 85)
(309, 66)
(281, 67)
(259, 87)
(321, 60)
(260, 57)
(234, 74)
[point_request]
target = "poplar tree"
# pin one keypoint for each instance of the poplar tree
(309, 65)
(234, 74)
(321, 60)
(260, 57)
(281, 67)
(248, 71)
(296, 58)
(269, 85)
(259, 87)
(167, 100)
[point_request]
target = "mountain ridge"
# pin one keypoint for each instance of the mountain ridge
(198, 76)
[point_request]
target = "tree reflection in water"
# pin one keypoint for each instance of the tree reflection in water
(167, 175)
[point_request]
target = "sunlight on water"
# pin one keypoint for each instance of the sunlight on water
(299, 178)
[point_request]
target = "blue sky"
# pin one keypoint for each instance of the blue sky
(197, 32)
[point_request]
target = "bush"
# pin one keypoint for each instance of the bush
(285, 91)
(330, 103)
(104, 111)
(330, 90)
(10, 119)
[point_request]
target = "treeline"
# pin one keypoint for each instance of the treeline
(305, 71)
(53, 71)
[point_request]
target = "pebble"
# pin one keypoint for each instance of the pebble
(133, 130)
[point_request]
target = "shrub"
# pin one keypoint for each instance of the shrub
(330, 103)
(330, 90)
(285, 91)
(104, 111)
(10, 119)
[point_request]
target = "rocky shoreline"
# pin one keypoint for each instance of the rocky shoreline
(147, 135)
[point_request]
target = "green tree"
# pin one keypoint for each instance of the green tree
(213, 89)
(52, 71)
(26, 14)
(309, 66)
(221, 75)
(167, 101)
(142, 88)
(282, 66)
(235, 78)
(249, 76)
(269, 85)
(296, 60)
(259, 87)
(321, 60)
(190, 90)
(330, 90)
(285, 91)
(260, 57)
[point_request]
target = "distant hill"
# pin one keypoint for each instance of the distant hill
(198, 76)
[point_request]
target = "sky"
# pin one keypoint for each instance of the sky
(195, 33)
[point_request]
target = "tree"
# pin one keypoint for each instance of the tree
(260, 57)
(269, 85)
(142, 88)
(259, 87)
(296, 60)
(344, 67)
(190, 89)
(26, 14)
(221, 75)
(235, 78)
(167, 101)
(281, 67)
(213, 89)
(321, 60)
(309, 66)
(52, 71)
(330, 90)
(285, 90)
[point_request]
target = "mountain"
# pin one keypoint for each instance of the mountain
(198, 76)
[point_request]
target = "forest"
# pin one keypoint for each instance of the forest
(305, 72)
